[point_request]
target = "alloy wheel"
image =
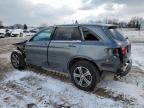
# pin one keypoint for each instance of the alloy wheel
(82, 76)
(15, 60)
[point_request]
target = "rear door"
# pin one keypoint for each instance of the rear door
(64, 45)
(36, 48)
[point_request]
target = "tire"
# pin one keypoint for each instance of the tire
(89, 78)
(18, 60)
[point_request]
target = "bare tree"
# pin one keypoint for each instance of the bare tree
(25, 27)
(135, 22)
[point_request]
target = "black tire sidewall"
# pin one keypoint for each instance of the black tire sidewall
(93, 70)
(22, 63)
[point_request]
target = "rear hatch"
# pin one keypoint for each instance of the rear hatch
(124, 46)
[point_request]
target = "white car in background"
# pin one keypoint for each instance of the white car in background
(2, 33)
(28, 33)
(17, 32)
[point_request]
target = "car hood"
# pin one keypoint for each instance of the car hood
(20, 45)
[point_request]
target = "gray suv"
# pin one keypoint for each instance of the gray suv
(83, 51)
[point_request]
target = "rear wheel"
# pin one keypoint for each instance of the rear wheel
(85, 75)
(18, 60)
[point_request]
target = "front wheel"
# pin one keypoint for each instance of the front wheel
(17, 60)
(84, 75)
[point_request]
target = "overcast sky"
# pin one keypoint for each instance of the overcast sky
(36, 12)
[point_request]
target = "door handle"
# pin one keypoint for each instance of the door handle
(71, 46)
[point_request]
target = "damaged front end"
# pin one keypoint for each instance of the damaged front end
(20, 46)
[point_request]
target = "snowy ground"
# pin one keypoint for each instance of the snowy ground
(138, 55)
(20, 89)
(24, 89)
(134, 35)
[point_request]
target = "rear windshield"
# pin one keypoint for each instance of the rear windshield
(116, 34)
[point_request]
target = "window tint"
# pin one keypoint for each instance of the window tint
(89, 35)
(67, 33)
(43, 35)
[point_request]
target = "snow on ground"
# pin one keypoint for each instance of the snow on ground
(128, 92)
(23, 88)
(138, 55)
(20, 89)
(133, 35)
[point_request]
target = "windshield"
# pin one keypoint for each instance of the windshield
(117, 35)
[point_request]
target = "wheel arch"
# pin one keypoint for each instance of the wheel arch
(20, 52)
(76, 59)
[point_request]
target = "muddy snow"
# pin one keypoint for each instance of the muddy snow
(21, 89)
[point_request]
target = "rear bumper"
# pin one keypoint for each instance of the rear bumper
(119, 69)
(125, 69)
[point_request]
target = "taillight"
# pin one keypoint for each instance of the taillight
(123, 50)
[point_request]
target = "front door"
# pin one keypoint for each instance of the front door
(36, 48)
(64, 45)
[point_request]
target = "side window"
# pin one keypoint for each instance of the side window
(43, 35)
(89, 35)
(67, 33)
